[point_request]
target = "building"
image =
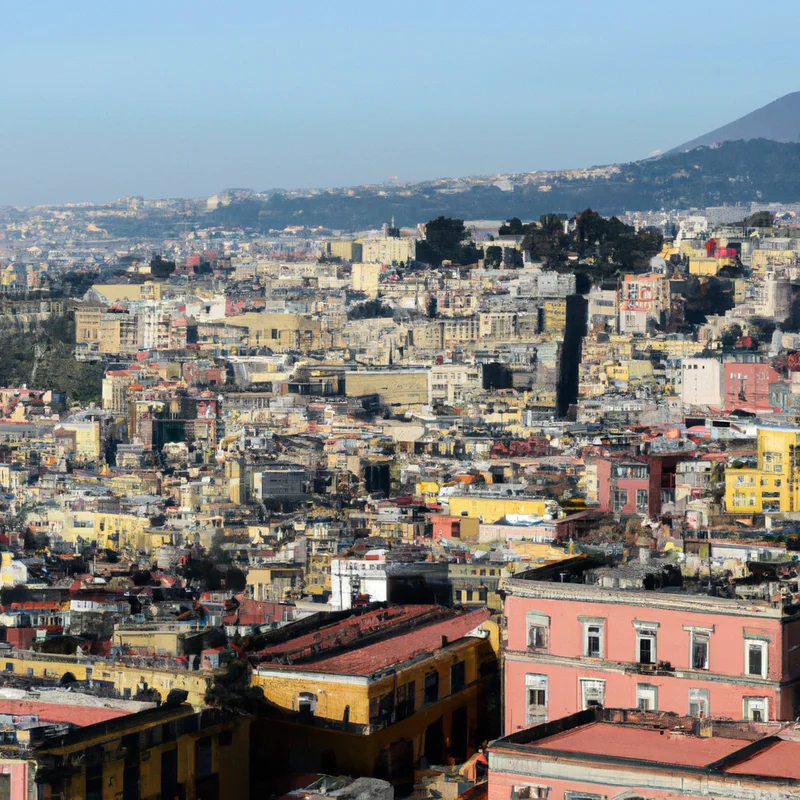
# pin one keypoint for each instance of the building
(603, 312)
(400, 389)
(375, 690)
(746, 386)
(100, 332)
(611, 754)
(644, 298)
(388, 249)
(640, 636)
(773, 484)
(701, 382)
(170, 751)
(366, 278)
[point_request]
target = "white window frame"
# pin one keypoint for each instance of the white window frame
(535, 619)
(536, 683)
(599, 623)
(647, 693)
(646, 630)
(651, 635)
(751, 704)
(594, 684)
(764, 647)
(699, 635)
(701, 698)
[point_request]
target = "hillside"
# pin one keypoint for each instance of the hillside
(736, 172)
(779, 121)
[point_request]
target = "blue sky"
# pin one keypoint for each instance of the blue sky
(173, 98)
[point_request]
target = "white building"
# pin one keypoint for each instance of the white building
(701, 382)
(352, 577)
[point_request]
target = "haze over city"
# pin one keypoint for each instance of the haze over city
(184, 98)
(399, 401)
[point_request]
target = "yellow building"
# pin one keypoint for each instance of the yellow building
(378, 705)
(346, 249)
(366, 278)
(761, 260)
(274, 583)
(491, 508)
(400, 389)
(102, 332)
(87, 439)
(555, 315)
(117, 292)
(772, 486)
(170, 751)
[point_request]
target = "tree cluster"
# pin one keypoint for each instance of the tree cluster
(446, 240)
(370, 309)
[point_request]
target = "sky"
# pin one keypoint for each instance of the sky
(102, 100)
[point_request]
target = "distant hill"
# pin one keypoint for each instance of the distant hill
(736, 172)
(779, 121)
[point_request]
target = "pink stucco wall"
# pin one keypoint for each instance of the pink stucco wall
(501, 785)
(726, 659)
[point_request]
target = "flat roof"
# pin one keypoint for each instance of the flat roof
(779, 760)
(643, 744)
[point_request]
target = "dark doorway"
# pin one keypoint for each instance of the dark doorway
(459, 734)
(169, 773)
(434, 742)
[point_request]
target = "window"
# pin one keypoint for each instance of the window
(646, 697)
(582, 796)
(528, 792)
(646, 645)
(458, 677)
(203, 757)
(431, 687)
(538, 626)
(698, 703)
(620, 499)
(593, 638)
(642, 506)
(380, 708)
(306, 703)
(755, 654)
(593, 693)
(755, 709)
(405, 700)
(536, 689)
(698, 645)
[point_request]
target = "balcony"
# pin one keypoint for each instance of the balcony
(661, 668)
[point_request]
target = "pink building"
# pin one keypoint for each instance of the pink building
(635, 484)
(628, 755)
(579, 637)
(746, 386)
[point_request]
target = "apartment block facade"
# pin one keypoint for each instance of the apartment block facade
(573, 645)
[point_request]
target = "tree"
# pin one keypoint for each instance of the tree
(370, 309)
(493, 257)
(444, 241)
(160, 268)
(513, 227)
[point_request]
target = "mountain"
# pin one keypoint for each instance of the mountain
(779, 121)
(735, 172)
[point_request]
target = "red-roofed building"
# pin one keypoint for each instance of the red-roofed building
(627, 754)
(379, 690)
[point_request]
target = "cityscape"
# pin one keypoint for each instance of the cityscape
(479, 487)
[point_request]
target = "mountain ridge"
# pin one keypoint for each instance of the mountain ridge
(758, 170)
(778, 121)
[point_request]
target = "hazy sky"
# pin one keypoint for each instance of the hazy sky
(172, 98)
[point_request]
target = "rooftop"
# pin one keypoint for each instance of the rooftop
(370, 643)
(664, 741)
